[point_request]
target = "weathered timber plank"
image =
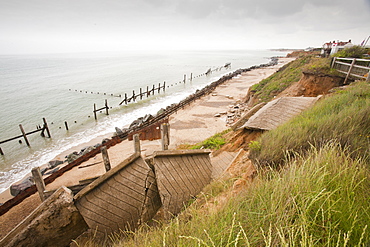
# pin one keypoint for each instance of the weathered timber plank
(94, 220)
(194, 177)
(174, 166)
(181, 174)
(202, 173)
(123, 200)
(204, 165)
(188, 169)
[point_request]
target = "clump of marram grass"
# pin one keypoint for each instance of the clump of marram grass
(317, 200)
(344, 117)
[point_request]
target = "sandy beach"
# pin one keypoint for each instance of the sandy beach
(190, 125)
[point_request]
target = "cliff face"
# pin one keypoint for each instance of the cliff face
(312, 85)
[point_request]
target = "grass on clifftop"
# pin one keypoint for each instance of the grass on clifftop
(266, 89)
(344, 117)
(318, 200)
(290, 73)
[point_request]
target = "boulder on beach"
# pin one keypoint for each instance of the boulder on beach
(52, 171)
(71, 157)
(54, 163)
(17, 188)
(147, 117)
(86, 150)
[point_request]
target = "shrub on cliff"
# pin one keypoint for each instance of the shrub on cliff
(352, 52)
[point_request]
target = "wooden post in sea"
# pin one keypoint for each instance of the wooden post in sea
(106, 107)
(165, 136)
(95, 112)
(133, 95)
(159, 87)
(141, 93)
(147, 91)
(24, 135)
(164, 86)
(39, 182)
(66, 124)
(137, 147)
(191, 76)
(1, 151)
(45, 128)
(104, 153)
(184, 78)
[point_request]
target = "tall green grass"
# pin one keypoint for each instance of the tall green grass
(344, 117)
(318, 200)
(286, 76)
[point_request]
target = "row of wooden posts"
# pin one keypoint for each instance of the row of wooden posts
(39, 181)
(126, 100)
(25, 134)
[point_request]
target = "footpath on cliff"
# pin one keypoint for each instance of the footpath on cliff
(201, 119)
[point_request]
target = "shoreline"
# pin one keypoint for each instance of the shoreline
(5, 196)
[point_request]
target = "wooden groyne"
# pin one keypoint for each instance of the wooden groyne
(25, 134)
(142, 93)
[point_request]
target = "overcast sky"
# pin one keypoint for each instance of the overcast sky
(43, 26)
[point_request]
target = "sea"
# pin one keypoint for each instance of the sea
(63, 88)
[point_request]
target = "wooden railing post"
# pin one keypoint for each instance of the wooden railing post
(39, 182)
(333, 63)
(368, 77)
(349, 70)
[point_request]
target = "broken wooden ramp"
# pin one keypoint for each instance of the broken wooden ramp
(121, 199)
(278, 111)
(181, 175)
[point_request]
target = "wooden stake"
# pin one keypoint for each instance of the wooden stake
(106, 107)
(46, 127)
(164, 86)
(66, 124)
(95, 112)
(1, 151)
(165, 136)
(104, 153)
(184, 79)
(24, 135)
(137, 147)
(39, 181)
